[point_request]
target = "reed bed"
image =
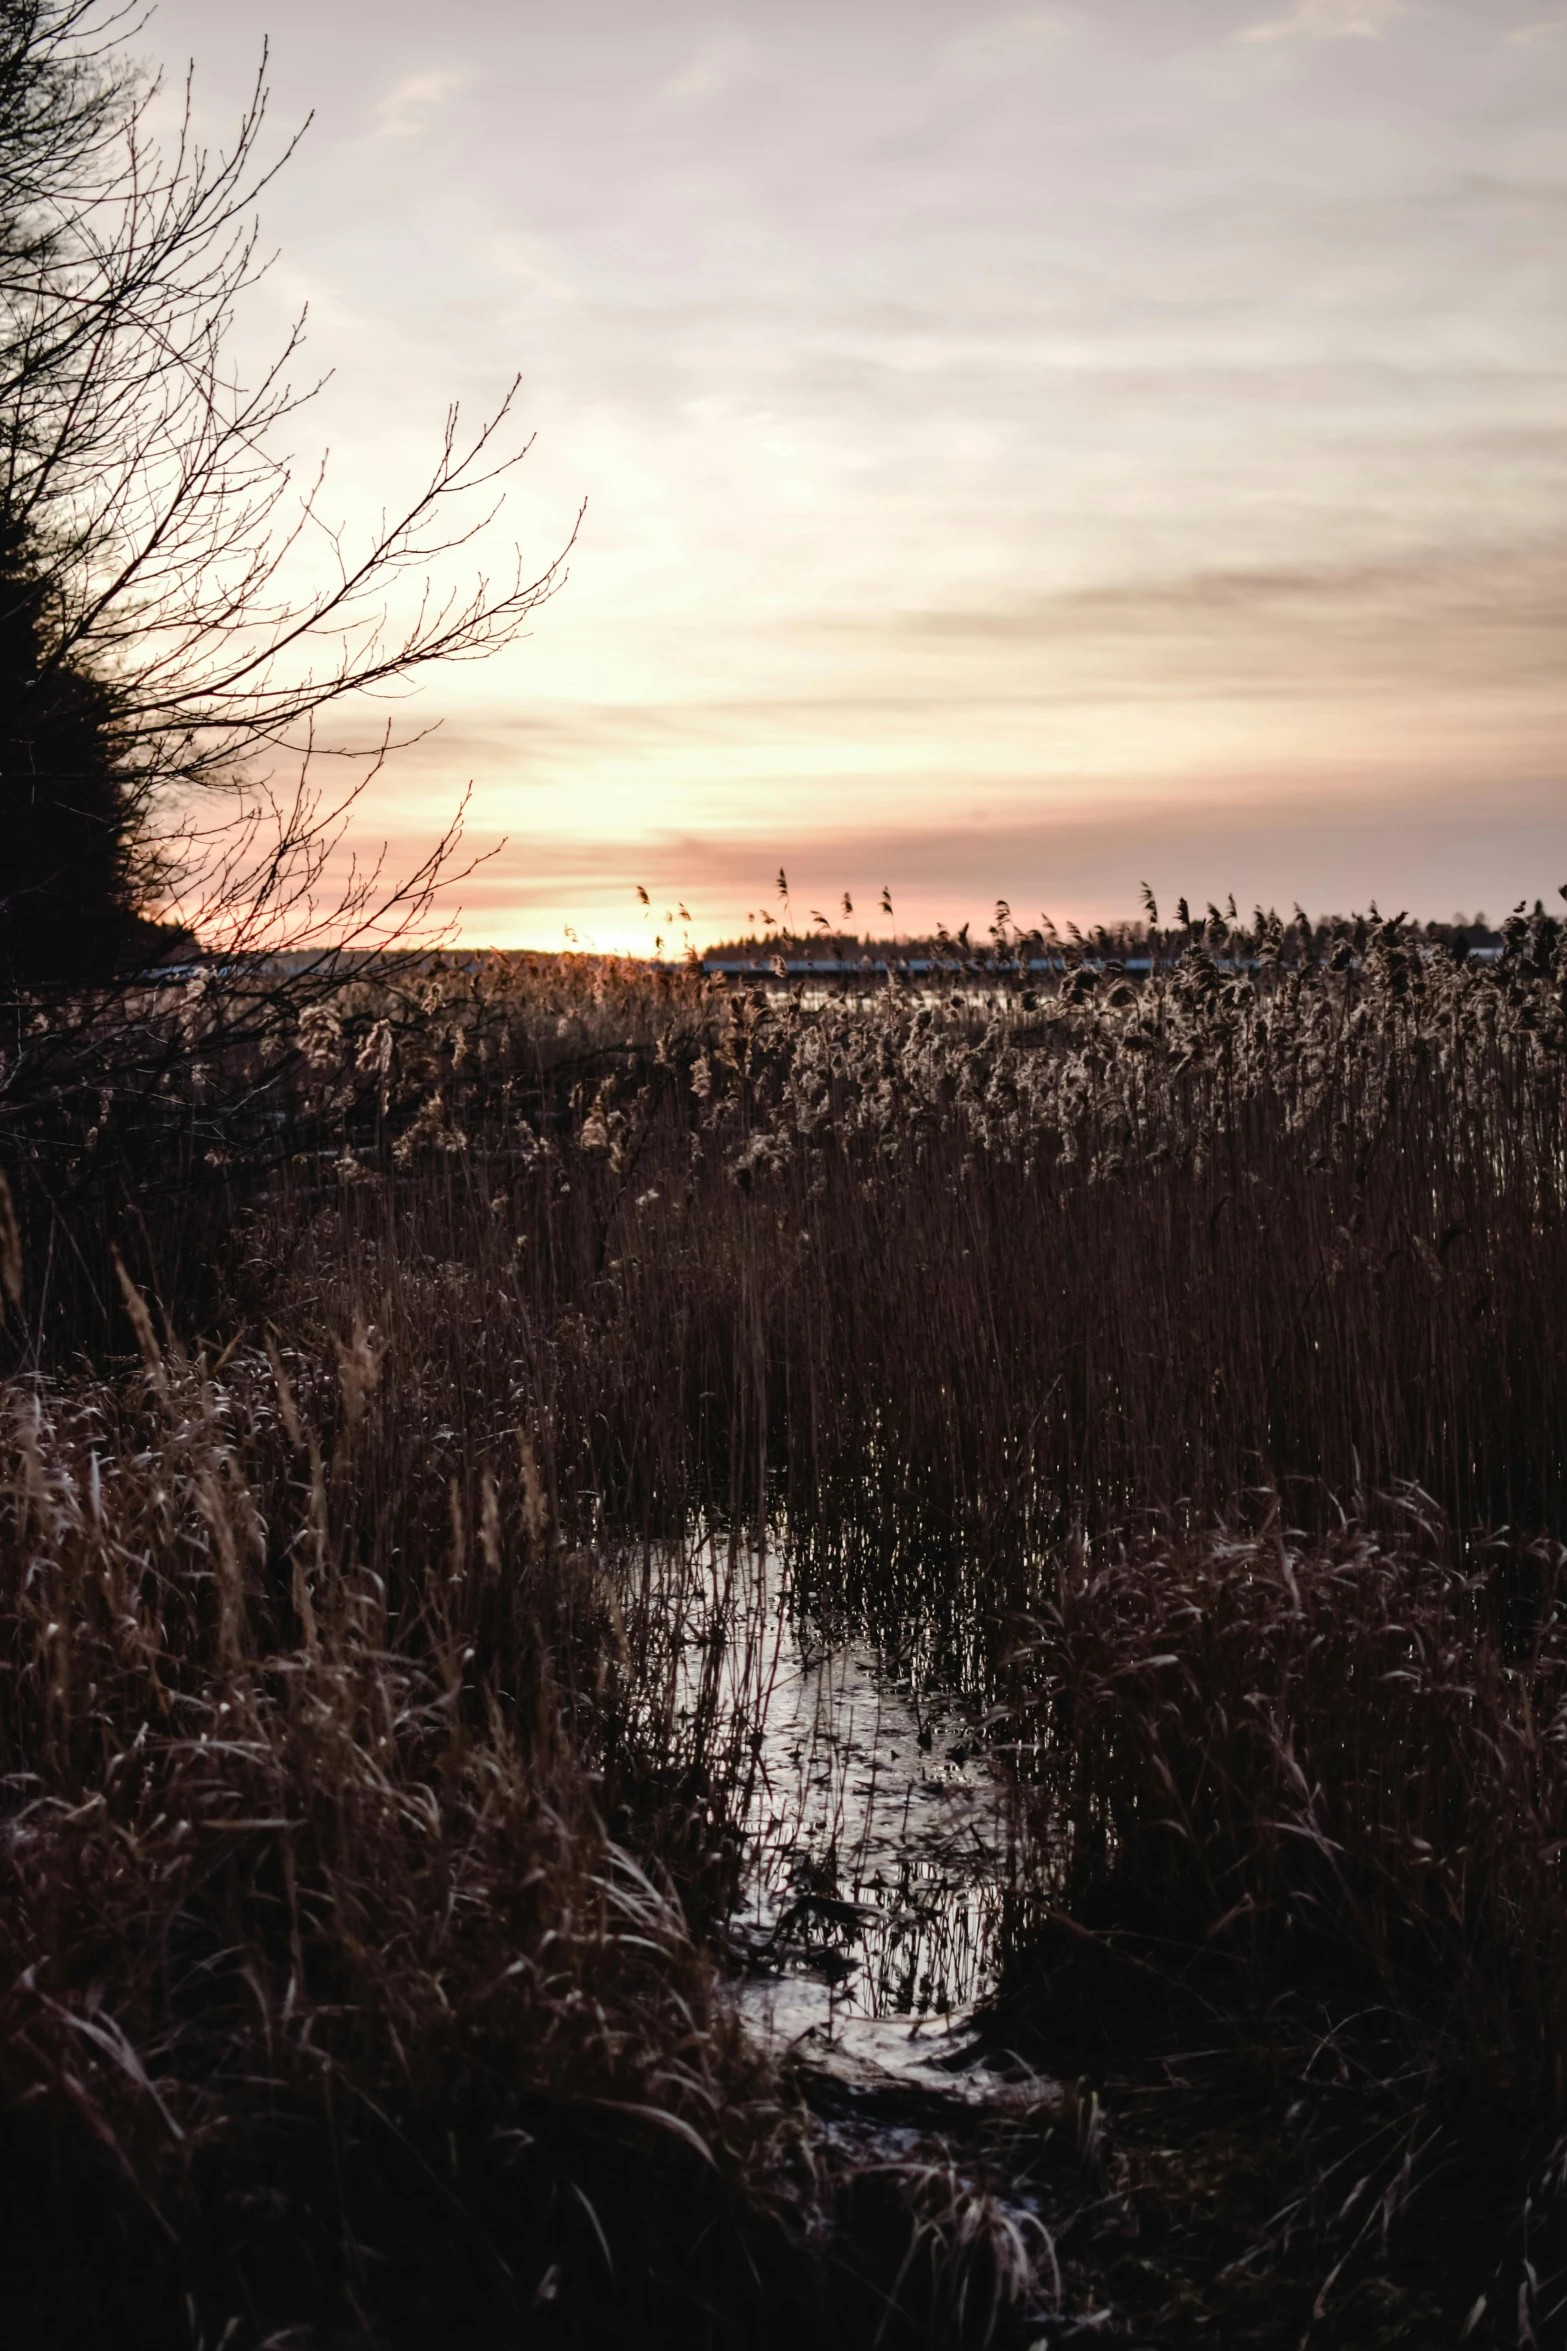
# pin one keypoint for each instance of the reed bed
(313, 1935)
(333, 2009)
(1170, 1365)
(1300, 1807)
(969, 1263)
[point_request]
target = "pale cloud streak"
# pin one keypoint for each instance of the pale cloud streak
(409, 104)
(714, 68)
(1006, 44)
(1331, 20)
(1545, 28)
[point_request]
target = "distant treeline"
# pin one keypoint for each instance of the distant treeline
(1297, 938)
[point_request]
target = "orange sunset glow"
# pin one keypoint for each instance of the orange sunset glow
(1024, 453)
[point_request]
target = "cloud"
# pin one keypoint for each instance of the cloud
(1002, 45)
(408, 104)
(1545, 28)
(1479, 627)
(713, 69)
(1331, 20)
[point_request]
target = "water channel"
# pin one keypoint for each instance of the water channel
(880, 1843)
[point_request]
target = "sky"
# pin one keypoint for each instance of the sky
(1026, 453)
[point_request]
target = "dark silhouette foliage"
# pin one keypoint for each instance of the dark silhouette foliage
(71, 878)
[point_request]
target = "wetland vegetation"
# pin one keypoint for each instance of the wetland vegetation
(461, 1416)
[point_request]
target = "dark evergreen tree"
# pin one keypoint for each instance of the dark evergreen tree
(70, 876)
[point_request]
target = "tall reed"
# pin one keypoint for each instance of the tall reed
(374, 1357)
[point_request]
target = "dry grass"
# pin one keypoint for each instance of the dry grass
(1301, 1806)
(353, 1809)
(324, 1980)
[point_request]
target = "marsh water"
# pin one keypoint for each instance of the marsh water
(879, 1843)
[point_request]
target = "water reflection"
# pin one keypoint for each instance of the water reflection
(878, 1836)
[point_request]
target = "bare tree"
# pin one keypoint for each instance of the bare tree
(178, 592)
